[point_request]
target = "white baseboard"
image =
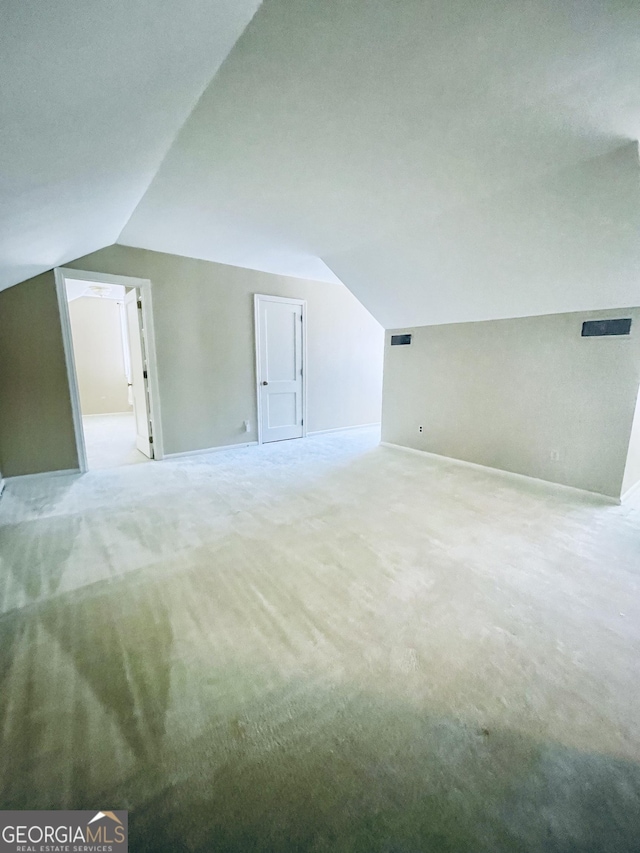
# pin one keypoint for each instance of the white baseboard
(209, 450)
(487, 468)
(256, 443)
(630, 492)
(42, 474)
(341, 429)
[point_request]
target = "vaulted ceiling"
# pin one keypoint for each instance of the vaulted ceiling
(92, 95)
(447, 159)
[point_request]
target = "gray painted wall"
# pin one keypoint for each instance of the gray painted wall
(36, 426)
(508, 393)
(203, 315)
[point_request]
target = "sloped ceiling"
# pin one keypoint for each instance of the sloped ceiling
(93, 94)
(448, 160)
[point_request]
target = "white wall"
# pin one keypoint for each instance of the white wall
(632, 468)
(510, 393)
(96, 326)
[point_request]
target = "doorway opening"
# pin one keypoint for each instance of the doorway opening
(107, 327)
(281, 335)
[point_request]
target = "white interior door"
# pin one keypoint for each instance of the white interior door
(280, 348)
(138, 373)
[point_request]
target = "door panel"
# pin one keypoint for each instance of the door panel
(282, 409)
(281, 325)
(280, 368)
(138, 381)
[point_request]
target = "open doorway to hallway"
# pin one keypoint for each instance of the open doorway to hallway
(110, 362)
(102, 356)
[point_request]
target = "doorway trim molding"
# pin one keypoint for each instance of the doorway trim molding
(62, 274)
(257, 298)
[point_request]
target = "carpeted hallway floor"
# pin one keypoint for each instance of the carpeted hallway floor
(323, 645)
(110, 440)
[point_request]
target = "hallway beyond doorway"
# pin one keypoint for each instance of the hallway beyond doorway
(110, 440)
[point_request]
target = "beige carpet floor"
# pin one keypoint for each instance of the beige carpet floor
(323, 645)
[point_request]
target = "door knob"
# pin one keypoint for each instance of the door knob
(265, 382)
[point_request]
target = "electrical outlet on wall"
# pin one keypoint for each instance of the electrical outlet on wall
(555, 455)
(247, 426)
(420, 428)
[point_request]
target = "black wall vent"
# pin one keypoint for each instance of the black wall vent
(603, 328)
(400, 340)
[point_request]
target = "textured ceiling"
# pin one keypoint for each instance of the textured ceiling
(448, 160)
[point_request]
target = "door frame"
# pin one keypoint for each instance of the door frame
(143, 285)
(257, 299)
